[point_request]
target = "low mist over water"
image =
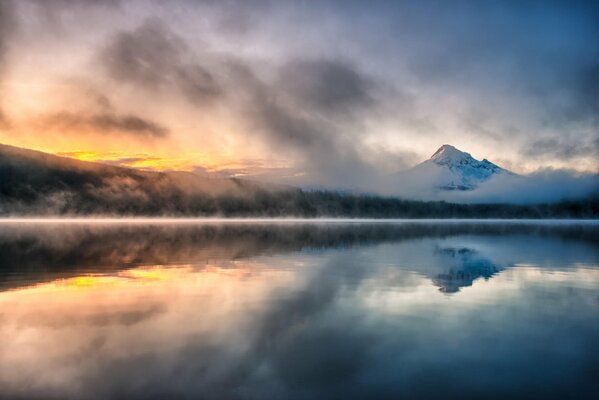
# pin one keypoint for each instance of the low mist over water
(461, 310)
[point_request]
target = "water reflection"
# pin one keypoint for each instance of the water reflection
(463, 266)
(299, 311)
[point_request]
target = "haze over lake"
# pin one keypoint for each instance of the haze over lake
(264, 310)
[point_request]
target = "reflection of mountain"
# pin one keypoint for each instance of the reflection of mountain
(462, 267)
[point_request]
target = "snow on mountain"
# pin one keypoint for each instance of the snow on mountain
(450, 169)
(465, 172)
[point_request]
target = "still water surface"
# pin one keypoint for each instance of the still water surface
(299, 311)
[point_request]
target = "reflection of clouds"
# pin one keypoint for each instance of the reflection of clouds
(334, 327)
(65, 333)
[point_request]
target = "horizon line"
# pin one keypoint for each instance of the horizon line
(283, 220)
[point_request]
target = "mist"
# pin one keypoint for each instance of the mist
(543, 186)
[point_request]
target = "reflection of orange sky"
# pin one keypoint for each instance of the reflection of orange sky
(56, 331)
(137, 277)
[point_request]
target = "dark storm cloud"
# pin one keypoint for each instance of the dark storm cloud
(127, 123)
(51, 10)
(233, 18)
(562, 148)
(7, 24)
(329, 85)
(587, 93)
(77, 3)
(266, 107)
(59, 17)
(306, 122)
(197, 83)
(148, 55)
(108, 123)
(155, 57)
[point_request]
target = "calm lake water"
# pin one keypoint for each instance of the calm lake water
(299, 311)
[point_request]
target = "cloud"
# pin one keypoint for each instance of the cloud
(523, 70)
(107, 123)
(562, 148)
(154, 57)
(309, 108)
(313, 105)
(54, 12)
(7, 25)
(544, 186)
(147, 55)
(342, 102)
(316, 122)
(78, 3)
(326, 85)
(588, 94)
(197, 83)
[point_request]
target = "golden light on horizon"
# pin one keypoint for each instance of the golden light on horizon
(192, 162)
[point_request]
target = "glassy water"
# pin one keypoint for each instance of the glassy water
(299, 311)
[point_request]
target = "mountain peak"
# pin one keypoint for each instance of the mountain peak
(445, 147)
(458, 170)
(449, 153)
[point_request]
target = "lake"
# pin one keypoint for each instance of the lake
(299, 310)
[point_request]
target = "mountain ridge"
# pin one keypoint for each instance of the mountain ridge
(34, 181)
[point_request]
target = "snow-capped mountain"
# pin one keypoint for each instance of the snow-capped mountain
(465, 172)
(450, 169)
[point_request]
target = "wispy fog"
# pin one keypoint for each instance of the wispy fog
(543, 186)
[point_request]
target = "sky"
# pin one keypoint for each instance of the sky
(303, 92)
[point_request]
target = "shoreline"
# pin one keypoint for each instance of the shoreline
(290, 220)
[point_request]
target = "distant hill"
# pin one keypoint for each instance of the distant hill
(36, 182)
(39, 184)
